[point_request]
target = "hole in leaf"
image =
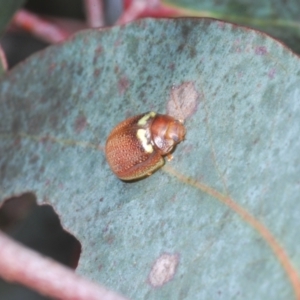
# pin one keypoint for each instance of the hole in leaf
(38, 227)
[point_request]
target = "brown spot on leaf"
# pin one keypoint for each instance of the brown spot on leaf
(52, 67)
(17, 142)
(97, 72)
(34, 159)
(180, 48)
(42, 169)
(193, 52)
(117, 43)
(183, 100)
(163, 269)
(47, 182)
(80, 123)
(110, 239)
(171, 66)
(90, 94)
(261, 50)
(116, 70)
(98, 50)
(221, 24)
(45, 139)
(272, 73)
(123, 84)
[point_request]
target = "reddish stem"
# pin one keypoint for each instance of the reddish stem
(135, 9)
(94, 13)
(21, 265)
(37, 26)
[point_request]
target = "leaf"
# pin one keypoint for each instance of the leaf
(218, 221)
(7, 10)
(277, 18)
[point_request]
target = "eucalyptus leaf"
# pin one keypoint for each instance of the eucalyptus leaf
(220, 220)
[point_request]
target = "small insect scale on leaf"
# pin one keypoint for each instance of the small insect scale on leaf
(135, 147)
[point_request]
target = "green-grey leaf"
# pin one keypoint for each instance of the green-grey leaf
(7, 10)
(278, 18)
(220, 221)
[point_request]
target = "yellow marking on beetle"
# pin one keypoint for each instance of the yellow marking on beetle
(141, 135)
(145, 118)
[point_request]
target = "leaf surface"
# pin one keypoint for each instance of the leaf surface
(221, 219)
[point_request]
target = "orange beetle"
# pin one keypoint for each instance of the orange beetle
(135, 147)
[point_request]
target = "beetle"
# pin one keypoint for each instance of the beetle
(136, 147)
